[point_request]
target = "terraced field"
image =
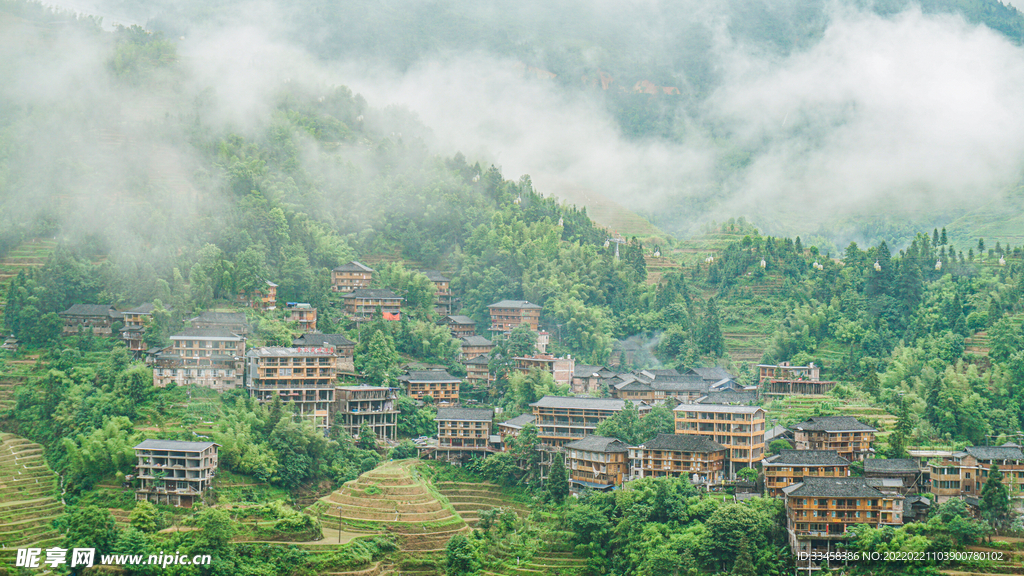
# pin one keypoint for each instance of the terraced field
(29, 500)
(31, 254)
(548, 555)
(791, 409)
(470, 498)
(394, 499)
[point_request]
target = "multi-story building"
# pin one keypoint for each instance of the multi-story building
(820, 510)
(785, 380)
(596, 462)
(846, 435)
(587, 378)
(231, 321)
(443, 292)
(695, 457)
(304, 376)
(509, 314)
(174, 473)
(477, 371)
(208, 357)
(135, 322)
(351, 276)
(362, 303)
(906, 470)
(461, 326)
(561, 419)
(560, 368)
(964, 473)
(441, 386)
(262, 299)
(649, 386)
(301, 313)
(784, 371)
(789, 467)
(344, 348)
(81, 317)
(511, 428)
(463, 432)
(473, 346)
(373, 405)
(739, 428)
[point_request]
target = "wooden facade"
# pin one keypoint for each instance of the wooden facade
(96, 317)
(350, 277)
(208, 357)
(442, 292)
(302, 314)
(461, 326)
(596, 462)
(790, 467)
(739, 428)
(305, 376)
(510, 314)
(362, 303)
(695, 457)
(561, 419)
(964, 473)
(438, 384)
(463, 432)
(846, 435)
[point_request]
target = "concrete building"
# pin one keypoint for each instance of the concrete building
(208, 357)
(560, 368)
(846, 435)
(790, 467)
(304, 376)
(174, 473)
(695, 457)
(739, 428)
(596, 462)
(376, 406)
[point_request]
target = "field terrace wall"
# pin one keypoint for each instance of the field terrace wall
(676, 455)
(790, 467)
(739, 428)
(208, 357)
(848, 436)
(373, 405)
(562, 419)
(174, 473)
(350, 277)
(304, 376)
(596, 462)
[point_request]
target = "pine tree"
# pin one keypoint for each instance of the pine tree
(744, 565)
(995, 499)
(935, 237)
(711, 339)
(942, 237)
(558, 481)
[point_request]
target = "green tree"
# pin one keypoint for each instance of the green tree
(995, 499)
(711, 340)
(144, 517)
(778, 446)
(460, 556)
(91, 527)
(367, 438)
(381, 361)
(558, 481)
(748, 474)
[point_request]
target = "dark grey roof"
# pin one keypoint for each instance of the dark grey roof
(473, 414)
(592, 443)
(680, 385)
(580, 402)
(435, 276)
(776, 432)
(912, 502)
(146, 308)
(353, 266)
(318, 339)
(513, 304)
(882, 483)
(683, 443)
(815, 487)
(105, 310)
(285, 352)
(458, 320)
(475, 341)
(210, 317)
(586, 370)
(995, 452)
(481, 359)
(519, 421)
(174, 445)
(373, 293)
(664, 372)
(633, 385)
(206, 333)
(890, 466)
(430, 376)
(833, 424)
(729, 397)
(806, 458)
(711, 374)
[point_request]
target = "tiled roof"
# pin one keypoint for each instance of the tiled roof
(318, 339)
(815, 487)
(91, 310)
(833, 424)
(892, 465)
(718, 408)
(586, 370)
(806, 458)
(519, 421)
(481, 359)
(146, 308)
(995, 452)
(592, 443)
(514, 304)
(430, 376)
(283, 352)
(473, 414)
(580, 402)
(458, 320)
(206, 333)
(435, 276)
(353, 266)
(712, 374)
(683, 443)
(475, 341)
(210, 317)
(372, 293)
(174, 445)
(729, 397)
